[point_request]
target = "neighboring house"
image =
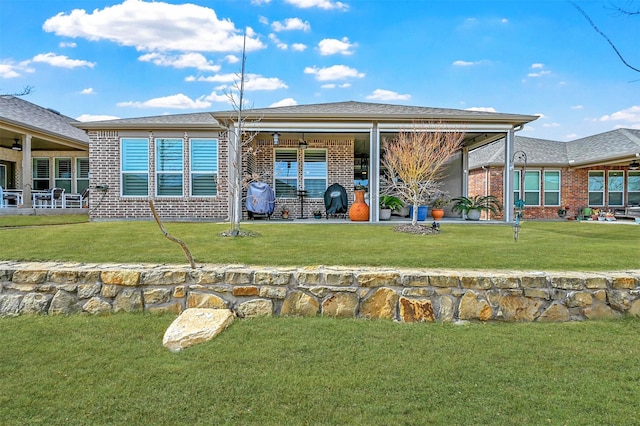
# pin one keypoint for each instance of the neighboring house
(599, 171)
(40, 149)
(182, 162)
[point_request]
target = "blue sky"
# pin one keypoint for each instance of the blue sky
(92, 59)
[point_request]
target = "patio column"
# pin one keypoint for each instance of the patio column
(465, 172)
(374, 173)
(508, 176)
(27, 171)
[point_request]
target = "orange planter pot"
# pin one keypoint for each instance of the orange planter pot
(437, 214)
(359, 211)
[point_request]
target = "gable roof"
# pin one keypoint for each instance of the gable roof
(351, 110)
(24, 114)
(199, 120)
(611, 146)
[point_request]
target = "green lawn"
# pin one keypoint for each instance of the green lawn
(275, 371)
(542, 245)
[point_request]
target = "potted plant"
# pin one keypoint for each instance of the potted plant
(472, 207)
(285, 212)
(438, 205)
(387, 204)
(317, 214)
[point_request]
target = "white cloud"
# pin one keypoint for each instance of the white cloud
(551, 125)
(335, 72)
(61, 61)
(387, 95)
(320, 4)
(298, 47)
(537, 66)
(188, 60)
(332, 46)
(252, 81)
(577, 107)
(461, 63)
(280, 45)
(538, 71)
(482, 109)
(504, 21)
(291, 24)
(284, 102)
(87, 91)
(67, 44)
(232, 59)
(178, 101)
(9, 70)
(215, 97)
(571, 136)
(155, 26)
(628, 115)
(260, 2)
(90, 117)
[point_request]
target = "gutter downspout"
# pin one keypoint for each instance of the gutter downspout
(508, 176)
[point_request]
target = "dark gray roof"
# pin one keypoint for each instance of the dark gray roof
(199, 120)
(369, 110)
(611, 145)
(619, 144)
(21, 113)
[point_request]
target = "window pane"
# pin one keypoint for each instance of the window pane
(552, 198)
(135, 184)
(204, 155)
(596, 181)
(615, 199)
(286, 173)
(63, 168)
(315, 173)
(170, 184)
(532, 181)
(315, 187)
(634, 198)
(41, 168)
(596, 198)
(82, 168)
(551, 181)
(203, 184)
(169, 155)
(616, 181)
(516, 180)
(634, 181)
(135, 155)
(531, 198)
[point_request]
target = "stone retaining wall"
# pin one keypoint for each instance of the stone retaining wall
(404, 295)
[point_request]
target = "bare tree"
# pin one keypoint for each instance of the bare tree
(414, 162)
(595, 27)
(27, 90)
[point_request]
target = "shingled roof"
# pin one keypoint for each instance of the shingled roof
(615, 145)
(197, 120)
(18, 112)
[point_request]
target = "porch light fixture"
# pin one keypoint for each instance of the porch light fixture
(634, 165)
(303, 143)
(16, 145)
(276, 138)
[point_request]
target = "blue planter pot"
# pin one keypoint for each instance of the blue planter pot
(422, 213)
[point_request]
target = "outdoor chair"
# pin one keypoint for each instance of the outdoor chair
(77, 201)
(50, 199)
(10, 198)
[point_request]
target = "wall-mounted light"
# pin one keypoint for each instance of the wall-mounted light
(634, 165)
(16, 145)
(276, 138)
(302, 144)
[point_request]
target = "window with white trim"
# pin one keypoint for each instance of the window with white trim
(82, 174)
(532, 188)
(40, 174)
(633, 188)
(315, 172)
(615, 188)
(204, 167)
(63, 173)
(596, 188)
(134, 167)
(169, 166)
(286, 173)
(552, 188)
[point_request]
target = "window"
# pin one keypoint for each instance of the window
(615, 188)
(169, 166)
(516, 185)
(532, 188)
(3, 176)
(204, 167)
(286, 173)
(551, 188)
(82, 174)
(315, 172)
(63, 174)
(633, 186)
(40, 174)
(135, 167)
(596, 188)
